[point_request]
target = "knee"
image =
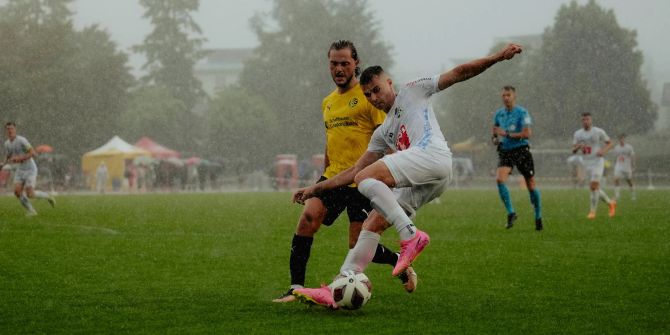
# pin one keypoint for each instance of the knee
(530, 184)
(17, 193)
(371, 187)
(308, 225)
(360, 176)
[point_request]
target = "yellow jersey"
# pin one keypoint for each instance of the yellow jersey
(350, 121)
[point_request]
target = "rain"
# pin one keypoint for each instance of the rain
(175, 141)
(227, 85)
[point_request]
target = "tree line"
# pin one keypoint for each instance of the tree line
(73, 88)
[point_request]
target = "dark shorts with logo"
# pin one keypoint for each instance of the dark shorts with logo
(337, 200)
(521, 158)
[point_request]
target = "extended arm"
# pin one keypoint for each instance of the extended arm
(343, 178)
(468, 70)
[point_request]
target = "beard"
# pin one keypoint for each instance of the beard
(346, 83)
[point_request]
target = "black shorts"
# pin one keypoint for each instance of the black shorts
(337, 200)
(519, 157)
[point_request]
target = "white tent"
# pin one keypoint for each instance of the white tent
(116, 154)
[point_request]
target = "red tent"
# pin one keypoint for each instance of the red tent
(44, 149)
(157, 151)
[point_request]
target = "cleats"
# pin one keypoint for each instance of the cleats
(322, 296)
(52, 201)
(538, 224)
(409, 279)
(510, 220)
(591, 216)
(31, 213)
(409, 251)
(612, 208)
(286, 297)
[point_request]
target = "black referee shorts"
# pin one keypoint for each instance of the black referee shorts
(335, 201)
(521, 158)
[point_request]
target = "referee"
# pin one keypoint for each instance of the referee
(511, 130)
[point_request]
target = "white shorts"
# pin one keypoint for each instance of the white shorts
(594, 169)
(622, 173)
(421, 175)
(28, 178)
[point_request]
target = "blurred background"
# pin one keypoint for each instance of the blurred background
(188, 95)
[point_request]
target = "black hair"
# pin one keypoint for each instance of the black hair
(509, 88)
(10, 123)
(369, 73)
(346, 44)
(586, 114)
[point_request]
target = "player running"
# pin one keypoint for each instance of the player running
(593, 143)
(418, 171)
(20, 154)
(624, 167)
(349, 120)
(511, 130)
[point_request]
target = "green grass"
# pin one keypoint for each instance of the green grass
(211, 263)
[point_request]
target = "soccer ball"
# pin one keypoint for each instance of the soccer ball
(351, 290)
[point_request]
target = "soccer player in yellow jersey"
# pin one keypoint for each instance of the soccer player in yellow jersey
(349, 120)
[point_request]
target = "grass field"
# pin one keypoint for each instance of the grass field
(211, 263)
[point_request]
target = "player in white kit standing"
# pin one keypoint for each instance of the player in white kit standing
(624, 167)
(397, 184)
(593, 143)
(20, 154)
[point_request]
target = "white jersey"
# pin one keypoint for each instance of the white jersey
(20, 146)
(411, 121)
(624, 157)
(593, 140)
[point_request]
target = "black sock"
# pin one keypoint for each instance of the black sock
(300, 249)
(383, 255)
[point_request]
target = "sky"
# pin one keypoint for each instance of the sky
(425, 34)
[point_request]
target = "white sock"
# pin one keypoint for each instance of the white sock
(25, 202)
(604, 196)
(361, 255)
(632, 192)
(617, 192)
(594, 201)
(384, 201)
(41, 195)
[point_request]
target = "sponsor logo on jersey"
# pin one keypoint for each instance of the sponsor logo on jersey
(353, 102)
(402, 142)
(340, 122)
(397, 112)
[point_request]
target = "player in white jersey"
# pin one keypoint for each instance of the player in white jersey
(20, 154)
(593, 143)
(397, 184)
(624, 167)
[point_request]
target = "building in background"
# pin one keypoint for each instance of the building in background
(220, 68)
